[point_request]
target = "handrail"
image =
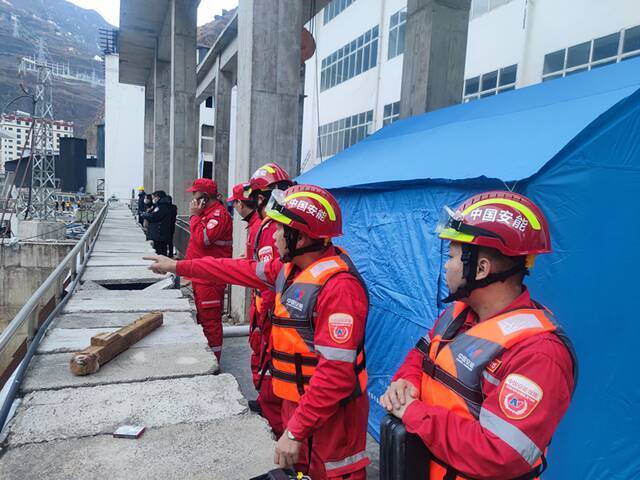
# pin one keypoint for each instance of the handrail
(64, 274)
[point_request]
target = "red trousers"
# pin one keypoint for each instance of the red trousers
(209, 299)
(322, 448)
(270, 405)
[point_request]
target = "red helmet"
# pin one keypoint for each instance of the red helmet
(268, 175)
(308, 209)
(506, 221)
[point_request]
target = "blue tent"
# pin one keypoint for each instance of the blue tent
(573, 146)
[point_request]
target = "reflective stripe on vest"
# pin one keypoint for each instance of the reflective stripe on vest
(294, 355)
(454, 366)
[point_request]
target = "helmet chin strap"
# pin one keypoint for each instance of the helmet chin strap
(470, 267)
(291, 237)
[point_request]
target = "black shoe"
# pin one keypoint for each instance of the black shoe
(254, 406)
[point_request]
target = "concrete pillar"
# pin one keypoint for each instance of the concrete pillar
(434, 56)
(269, 33)
(222, 104)
(183, 137)
(162, 105)
(149, 129)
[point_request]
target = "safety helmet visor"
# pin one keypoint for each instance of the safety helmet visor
(451, 226)
(276, 209)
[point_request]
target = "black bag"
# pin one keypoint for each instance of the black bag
(280, 474)
(403, 455)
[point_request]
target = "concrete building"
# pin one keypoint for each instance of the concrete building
(124, 133)
(353, 84)
(17, 126)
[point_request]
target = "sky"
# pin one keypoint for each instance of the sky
(110, 9)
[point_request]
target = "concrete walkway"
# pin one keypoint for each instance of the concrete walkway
(197, 423)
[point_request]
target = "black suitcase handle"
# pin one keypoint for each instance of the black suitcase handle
(280, 474)
(403, 455)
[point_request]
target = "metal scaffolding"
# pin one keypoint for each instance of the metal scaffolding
(37, 203)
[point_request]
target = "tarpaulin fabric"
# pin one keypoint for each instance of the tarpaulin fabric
(586, 181)
(509, 136)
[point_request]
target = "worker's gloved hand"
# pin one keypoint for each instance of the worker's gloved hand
(161, 264)
(398, 396)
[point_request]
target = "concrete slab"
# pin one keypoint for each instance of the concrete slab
(132, 274)
(140, 303)
(61, 340)
(126, 295)
(89, 285)
(48, 415)
(133, 365)
(235, 448)
(131, 247)
(166, 284)
(99, 320)
(117, 261)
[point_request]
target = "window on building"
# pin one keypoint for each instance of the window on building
(397, 26)
(479, 7)
(351, 60)
(334, 8)
(207, 130)
(207, 169)
(592, 54)
(336, 136)
(391, 113)
(490, 83)
(208, 102)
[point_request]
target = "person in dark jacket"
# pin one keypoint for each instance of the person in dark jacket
(159, 218)
(141, 197)
(172, 225)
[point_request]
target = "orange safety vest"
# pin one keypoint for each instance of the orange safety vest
(455, 363)
(294, 357)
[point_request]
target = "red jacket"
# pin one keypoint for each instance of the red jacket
(210, 233)
(253, 224)
(339, 431)
(463, 443)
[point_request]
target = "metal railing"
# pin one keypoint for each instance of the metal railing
(33, 318)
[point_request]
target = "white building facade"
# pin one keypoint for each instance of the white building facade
(124, 133)
(17, 126)
(352, 83)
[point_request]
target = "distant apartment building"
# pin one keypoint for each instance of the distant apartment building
(17, 125)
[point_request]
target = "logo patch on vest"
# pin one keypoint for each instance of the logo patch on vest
(212, 224)
(340, 327)
(518, 322)
(265, 254)
(493, 366)
(519, 396)
(323, 266)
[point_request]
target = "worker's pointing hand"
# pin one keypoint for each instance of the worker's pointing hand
(161, 264)
(398, 394)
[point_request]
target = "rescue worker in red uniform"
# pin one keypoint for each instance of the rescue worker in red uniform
(211, 229)
(264, 180)
(317, 332)
(487, 387)
(246, 208)
(267, 404)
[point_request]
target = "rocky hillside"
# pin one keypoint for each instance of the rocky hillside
(70, 35)
(209, 32)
